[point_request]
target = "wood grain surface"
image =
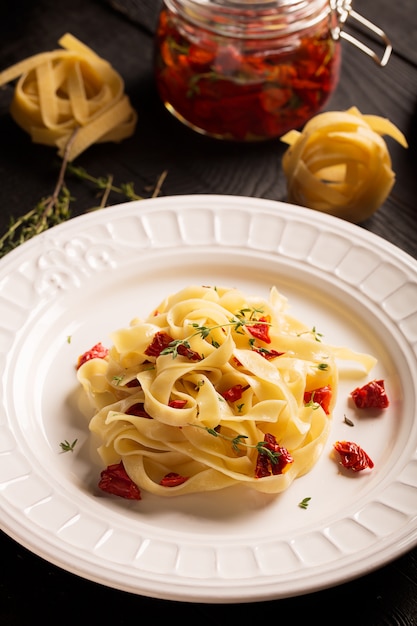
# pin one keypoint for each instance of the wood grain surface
(121, 31)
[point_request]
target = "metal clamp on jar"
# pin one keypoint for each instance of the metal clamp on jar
(252, 70)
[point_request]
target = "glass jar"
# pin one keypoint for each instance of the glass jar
(247, 70)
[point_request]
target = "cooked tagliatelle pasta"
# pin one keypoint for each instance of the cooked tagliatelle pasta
(213, 389)
(67, 90)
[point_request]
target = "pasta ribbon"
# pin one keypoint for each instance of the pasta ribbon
(340, 164)
(70, 97)
(188, 398)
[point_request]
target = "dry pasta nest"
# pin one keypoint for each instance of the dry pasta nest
(340, 164)
(70, 98)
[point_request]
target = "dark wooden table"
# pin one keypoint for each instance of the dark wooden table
(122, 32)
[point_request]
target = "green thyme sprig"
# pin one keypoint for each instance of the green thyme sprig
(239, 440)
(66, 446)
(314, 405)
(105, 184)
(314, 332)
(56, 208)
(47, 213)
(238, 323)
(304, 503)
(252, 312)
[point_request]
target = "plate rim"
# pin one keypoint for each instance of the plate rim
(210, 201)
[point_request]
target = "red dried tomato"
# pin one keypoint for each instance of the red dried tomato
(115, 480)
(133, 383)
(353, 456)
(177, 404)
(268, 354)
(241, 94)
(321, 396)
(234, 393)
(282, 458)
(199, 58)
(138, 410)
(192, 355)
(96, 352)
(160, 341)
(371, 396)
(261, 329)
(173, 480)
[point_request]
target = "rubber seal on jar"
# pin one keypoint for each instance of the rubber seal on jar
(343, 9)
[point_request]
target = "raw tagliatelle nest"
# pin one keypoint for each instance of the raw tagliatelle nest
(340, 164)
(67, 90)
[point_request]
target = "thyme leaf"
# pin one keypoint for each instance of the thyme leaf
(173, 346)
(316, 335)
(314, 405)
(239, 440)
(105, 184)
(66, 446)
(56, 208)
(238, 323)
(47, 213)
(304, 503)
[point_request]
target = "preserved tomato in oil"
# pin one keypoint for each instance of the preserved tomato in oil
(246, 71)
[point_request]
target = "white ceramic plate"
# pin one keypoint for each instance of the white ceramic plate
(67, 289)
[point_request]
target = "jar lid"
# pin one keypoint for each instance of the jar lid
(272, 18)
(252, 18)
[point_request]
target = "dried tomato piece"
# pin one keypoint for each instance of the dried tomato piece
(353, 456)
(173, 480)
(115, 480)
(260, 330)
(272, 99)
(184, 350)
(96, 352)
(138, 410)
(177, 404)
(200, 59)
(160, 341)
(268, 354)
(371, 396)
(265, 466)
(133, 383)
(234, 393)
(321, 396)
(243, 93)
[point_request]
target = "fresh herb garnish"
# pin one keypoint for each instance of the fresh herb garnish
(66, 446)
(317, 336)
(304, 503)
(239, 440)
(238, 322)
(55, 209)
(311, 403)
